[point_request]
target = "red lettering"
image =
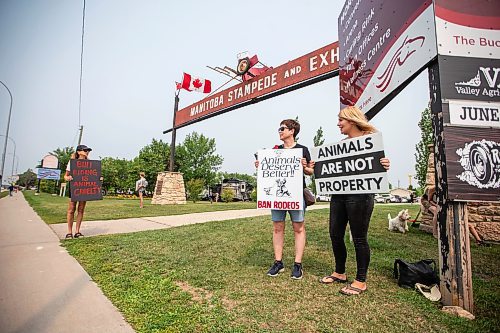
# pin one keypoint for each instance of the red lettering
(263, 204)
(286, 205)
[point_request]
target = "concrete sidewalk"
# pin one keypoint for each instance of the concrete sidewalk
(94, 228)
(43, 288)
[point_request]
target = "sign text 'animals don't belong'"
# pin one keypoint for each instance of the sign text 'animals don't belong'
(279, 179)
(351, 166)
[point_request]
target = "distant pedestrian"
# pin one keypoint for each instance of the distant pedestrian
(140, 187)
(412, 197)
(11, 189)
(82, 152)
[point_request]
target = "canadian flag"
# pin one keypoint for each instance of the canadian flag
(191, 83)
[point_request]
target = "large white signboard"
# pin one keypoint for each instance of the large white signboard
(351, 166)
(280, 179)
(474, 113)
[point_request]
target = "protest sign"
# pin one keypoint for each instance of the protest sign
(351, 166)
(86, 184)
(280, 179)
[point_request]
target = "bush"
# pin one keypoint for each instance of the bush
(253, 195)
(194, 188)
(227, 195)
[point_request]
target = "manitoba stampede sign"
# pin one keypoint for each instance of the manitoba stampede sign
(351, 166)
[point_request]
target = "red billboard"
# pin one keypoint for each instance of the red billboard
(294, 72)
(383, 45)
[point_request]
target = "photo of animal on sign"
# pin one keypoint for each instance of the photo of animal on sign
(351, 166)
(279, 179)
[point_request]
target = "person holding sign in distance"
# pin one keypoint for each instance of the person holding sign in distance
(82, 152)
(288, 131)
(355, 209)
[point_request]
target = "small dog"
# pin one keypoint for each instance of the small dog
(400, 222)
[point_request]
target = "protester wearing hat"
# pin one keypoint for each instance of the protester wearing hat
(82, 152)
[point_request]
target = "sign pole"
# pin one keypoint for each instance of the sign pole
(454, 248)
(172, 144)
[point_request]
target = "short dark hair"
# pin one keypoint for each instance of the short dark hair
(292, 124)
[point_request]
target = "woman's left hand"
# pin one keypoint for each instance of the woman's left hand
(385, 163)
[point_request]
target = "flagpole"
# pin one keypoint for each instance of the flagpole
(172, 144)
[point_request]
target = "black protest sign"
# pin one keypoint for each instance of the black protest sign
(86, 184)
(351, 166)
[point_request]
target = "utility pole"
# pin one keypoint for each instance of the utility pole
(81, 134)
(6, 133)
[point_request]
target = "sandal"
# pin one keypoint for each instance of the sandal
(356, 292)
(68, 236)
(332, 279)
(78, 235)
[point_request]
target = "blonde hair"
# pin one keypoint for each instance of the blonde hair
(354, 114)
(142, 174)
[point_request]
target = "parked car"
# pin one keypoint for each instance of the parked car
(322, 198)
(382, 198)
(396, 199)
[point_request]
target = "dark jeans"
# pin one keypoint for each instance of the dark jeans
(357, 210)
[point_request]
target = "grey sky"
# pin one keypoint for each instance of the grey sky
(135, 50)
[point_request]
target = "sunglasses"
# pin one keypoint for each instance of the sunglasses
(282, 128)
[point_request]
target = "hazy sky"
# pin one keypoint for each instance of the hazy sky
(133, 53)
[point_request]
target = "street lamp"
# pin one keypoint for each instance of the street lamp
(6, 133)
(13, 156)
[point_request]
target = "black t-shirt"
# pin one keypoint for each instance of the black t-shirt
(305, 154)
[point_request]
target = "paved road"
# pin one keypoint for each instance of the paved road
(42, 288)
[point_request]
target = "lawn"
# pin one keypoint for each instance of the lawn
(52, 209)
(3, 194)
(211, 278)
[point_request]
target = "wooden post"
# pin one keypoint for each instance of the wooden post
(454, 251)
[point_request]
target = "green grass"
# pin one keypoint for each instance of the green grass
(4, 194)
(52, 209)
(211, 278)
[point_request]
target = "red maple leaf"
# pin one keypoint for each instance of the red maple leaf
(197, 83)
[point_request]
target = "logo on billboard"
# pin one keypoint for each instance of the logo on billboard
(406, 50)
(474, 86)
(481, 162)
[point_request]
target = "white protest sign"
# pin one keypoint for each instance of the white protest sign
(351, 166)
(280, 179)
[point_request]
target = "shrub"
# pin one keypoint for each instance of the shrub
(253, 195)
(194, 188)
(227, 195)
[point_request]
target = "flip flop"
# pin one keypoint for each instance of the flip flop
(350, 287)
(68, 236)
(78, 235)
(332, 278)
(432, 293)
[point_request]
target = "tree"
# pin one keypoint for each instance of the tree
(318, 140)
(197, 158)
(155, 158)
(27, 179)
(422, 147)
(63, 155)
(116, 174)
